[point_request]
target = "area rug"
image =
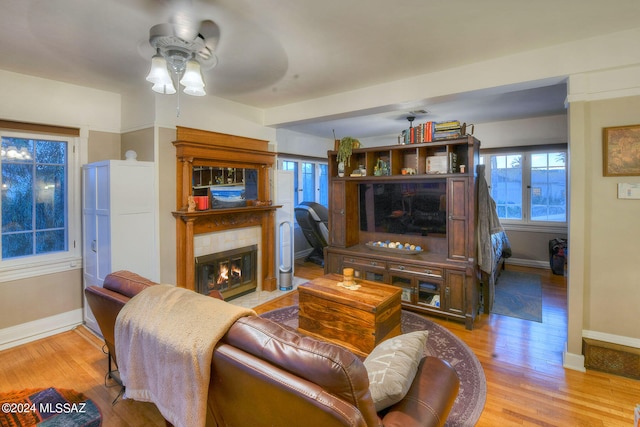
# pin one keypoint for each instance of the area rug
(518, 295)
(47, 408)
(441, 343)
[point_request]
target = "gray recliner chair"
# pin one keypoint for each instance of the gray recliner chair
(313, 219)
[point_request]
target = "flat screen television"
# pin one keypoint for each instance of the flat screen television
(404, 207)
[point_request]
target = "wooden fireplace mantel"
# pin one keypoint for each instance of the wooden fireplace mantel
(197, 148)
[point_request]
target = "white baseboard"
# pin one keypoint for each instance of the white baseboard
(573, 361)
(528, 263)
(38, 329)
(613, 339)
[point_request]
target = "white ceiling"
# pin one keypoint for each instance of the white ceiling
(277, 52)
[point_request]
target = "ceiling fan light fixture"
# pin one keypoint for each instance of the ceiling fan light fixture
(158, 73)
(194, 91)
(180, 59)
(192, 77)
(164, 88)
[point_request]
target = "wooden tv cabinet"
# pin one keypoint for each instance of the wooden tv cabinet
(441, 280)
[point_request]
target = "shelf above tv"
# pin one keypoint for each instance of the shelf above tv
(414, 157)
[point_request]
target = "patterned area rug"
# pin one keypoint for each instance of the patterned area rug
(47, 408)
(518, 295)
(441, 343)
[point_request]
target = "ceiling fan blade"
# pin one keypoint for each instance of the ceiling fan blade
(184, 27)
(207, 61)
(210, 32)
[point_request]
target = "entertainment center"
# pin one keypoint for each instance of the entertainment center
(410, 204)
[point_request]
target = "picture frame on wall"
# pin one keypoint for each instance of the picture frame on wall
(621, 150)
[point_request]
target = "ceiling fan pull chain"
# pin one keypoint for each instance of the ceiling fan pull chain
(178, 106)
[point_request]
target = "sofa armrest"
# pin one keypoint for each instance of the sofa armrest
(126, 283)
(105, 305)
(429, 399)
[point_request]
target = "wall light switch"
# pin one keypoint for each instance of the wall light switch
(628, 191)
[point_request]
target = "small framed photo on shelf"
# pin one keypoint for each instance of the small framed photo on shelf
(621, 150)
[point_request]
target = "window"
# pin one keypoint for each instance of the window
(36, 199)
(529, 186)
(311, 183)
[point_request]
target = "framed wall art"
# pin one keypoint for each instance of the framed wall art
(621, 150)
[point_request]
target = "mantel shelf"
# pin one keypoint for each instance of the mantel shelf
(186, 216)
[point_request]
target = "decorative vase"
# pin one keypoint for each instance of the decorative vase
(341, 169)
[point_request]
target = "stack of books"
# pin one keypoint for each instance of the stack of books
(447, 130)
(418, 134)
(431, 131)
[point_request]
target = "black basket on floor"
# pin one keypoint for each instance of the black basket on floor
(557, 255)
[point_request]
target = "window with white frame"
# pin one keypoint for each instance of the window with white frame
(37, 204)
(311, 183)
(528, 184)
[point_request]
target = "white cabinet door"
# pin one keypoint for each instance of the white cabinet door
(89, 239)
(103, 221)
(119, 217)
(132, 216)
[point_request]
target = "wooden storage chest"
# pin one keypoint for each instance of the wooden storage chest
(355, 319)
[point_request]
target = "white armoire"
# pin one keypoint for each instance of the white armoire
(119, 222)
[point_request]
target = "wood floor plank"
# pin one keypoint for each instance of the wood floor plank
(522, 361)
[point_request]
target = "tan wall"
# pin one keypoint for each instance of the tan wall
(140, 141)
(103, 146)
(532, 245)
(612, 255)
(39, 297)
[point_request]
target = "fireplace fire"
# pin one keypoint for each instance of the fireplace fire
(232, 272)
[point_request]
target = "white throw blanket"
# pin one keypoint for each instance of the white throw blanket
(164, 340)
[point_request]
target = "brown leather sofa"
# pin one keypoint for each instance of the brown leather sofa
(265, 374)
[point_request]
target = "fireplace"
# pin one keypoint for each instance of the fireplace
(196, 149)
(232, 272)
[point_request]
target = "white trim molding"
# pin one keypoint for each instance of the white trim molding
(610, 338)
(528, 263)
(573, 361)
(31, 331)
(536, 228)
(40, 268)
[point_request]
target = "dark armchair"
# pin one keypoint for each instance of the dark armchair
(313, 219)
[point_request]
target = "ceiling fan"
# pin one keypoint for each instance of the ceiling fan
(250, 58)
(181, 52)
(182, 43)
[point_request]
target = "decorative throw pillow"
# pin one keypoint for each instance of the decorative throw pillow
(392, 365)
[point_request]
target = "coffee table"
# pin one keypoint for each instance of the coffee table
(356, 319)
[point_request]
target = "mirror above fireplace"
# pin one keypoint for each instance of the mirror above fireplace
(226, 187)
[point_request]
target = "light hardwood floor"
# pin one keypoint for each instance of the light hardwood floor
(522, 361)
